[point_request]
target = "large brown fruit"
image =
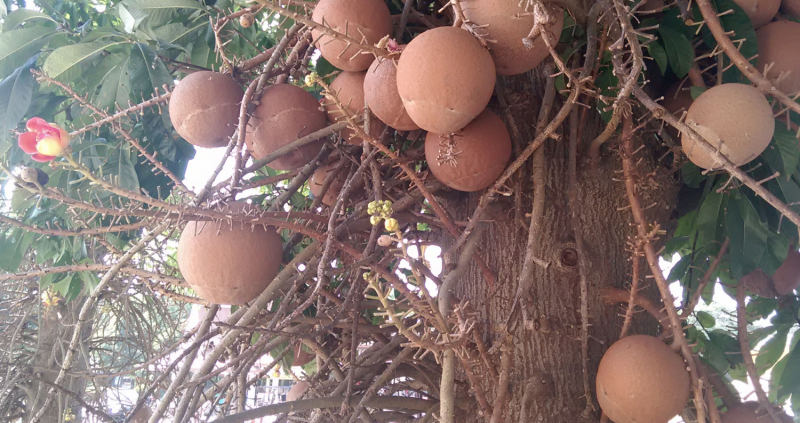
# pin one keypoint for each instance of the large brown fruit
(787, 277)
(791, 7)
(229, 264)
(380, 93)
(760, 12)
(737, 117)
(677, 100)
(472, 158)
(748, 412)
(204, 108)
(641, 380)
(318, 179)
(445, 78)
(297, 391)
(285, 113)
(349, 89)
(507, 24)
(778, 44)
(369, 19)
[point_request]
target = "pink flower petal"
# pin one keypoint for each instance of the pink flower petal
(35, 124)
(27, 142)
(42, 158)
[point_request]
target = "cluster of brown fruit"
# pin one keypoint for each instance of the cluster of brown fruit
(441, 82)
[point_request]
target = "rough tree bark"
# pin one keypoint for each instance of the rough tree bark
(546, 378)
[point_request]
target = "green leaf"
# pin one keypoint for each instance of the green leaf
(148, 72)
(62, 286)
(658, 54)
(728, 344)
(708, 221)
(151, 5)
(90, 281)
(748, 236)
(786, 144)
(679, 50)
(3, 10)
(16, 92)
(680, 268)
(121, 166)
(65, 62)
(116, 88)
(177, 33)
(790, 378)
(23, 15)
(695, 91)
(706, 320)
(17, 46)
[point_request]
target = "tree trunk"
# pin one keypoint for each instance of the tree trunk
(546, 376)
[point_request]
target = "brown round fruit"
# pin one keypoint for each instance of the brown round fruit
(297, 391)
(318, 179)
(349, 89)
(204, 108)
(246, 20)
(640, 379)
(736, 117)
(380, 92)
(507, 24)
(301, 358)
(229, 263)
(472, 158)
(778, 44)
(285, 113)
(791, 8)
(445, 79)
(369, 19)
(748, 412)
(760, 12)
(677, 100)
(787, 277)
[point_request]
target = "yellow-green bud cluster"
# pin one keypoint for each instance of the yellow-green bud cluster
(311, 79)
(382, 210)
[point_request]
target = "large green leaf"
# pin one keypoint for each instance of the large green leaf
(679, 50)
(17, 46)
(16, 92)
(23, 15)
(121, 166)
(148, 75)
(783, 153)
(116, 87)
(771, 351)
(150, 5)
(65, 62)
(708, 221)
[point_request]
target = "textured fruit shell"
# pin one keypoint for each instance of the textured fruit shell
(737, 114)
(779, 43)
(748, 412)
(285, 113)
(318, 179)
(445, 78)
(297, 390)
(228, 264)
(204, 108)
(358, 18)
(349, 89)
(760, 12)
(640, 379)
(380, 93)
(484, 148)
(787, 277)
(508, 24)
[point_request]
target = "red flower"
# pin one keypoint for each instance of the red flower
(44, 141)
